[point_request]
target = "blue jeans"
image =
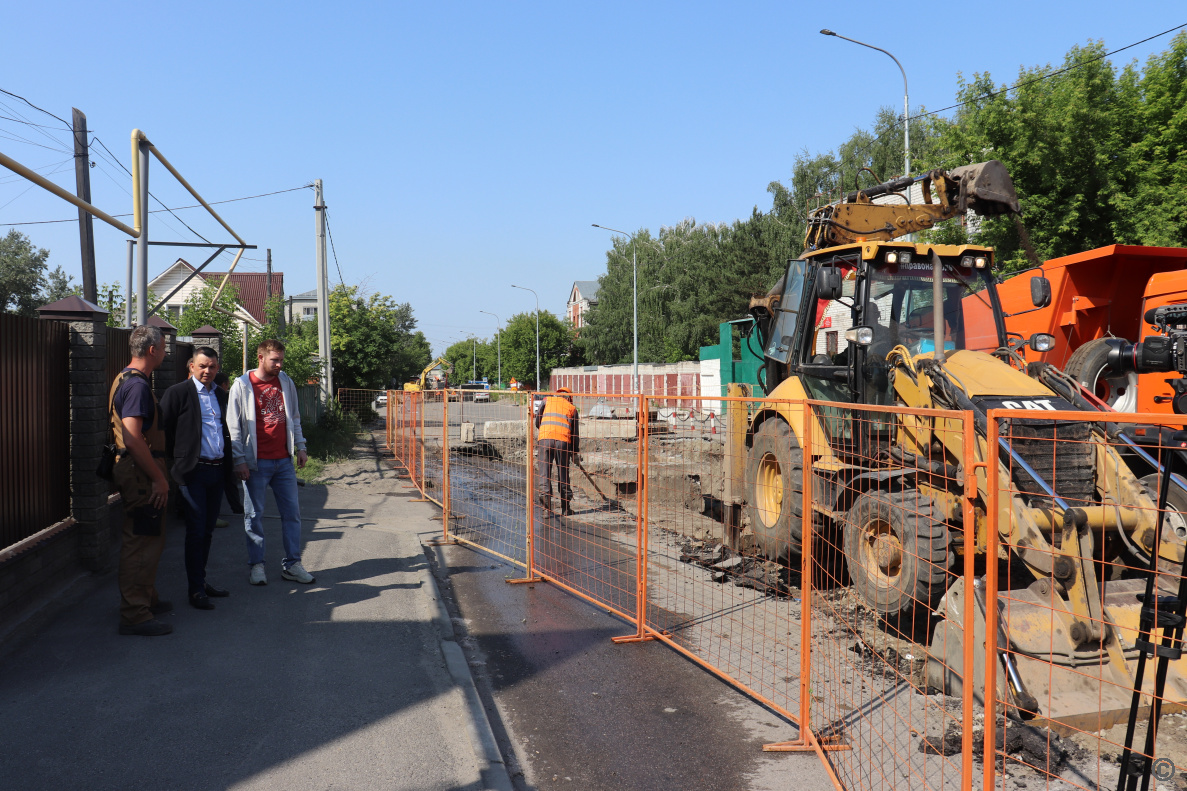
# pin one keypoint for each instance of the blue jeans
(283, 479)
(203, 494)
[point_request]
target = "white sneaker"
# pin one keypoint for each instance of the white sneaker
(297, 573)
(258, 577)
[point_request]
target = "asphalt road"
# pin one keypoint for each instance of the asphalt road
(573, 710)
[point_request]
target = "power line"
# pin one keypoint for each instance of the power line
(160, 211)
(331, 233)
(35, 107)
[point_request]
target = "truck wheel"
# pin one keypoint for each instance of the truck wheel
(897, 549)
(1087, 365)
(774, 472)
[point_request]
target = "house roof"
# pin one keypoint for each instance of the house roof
(310, 294)
(253, 289)
(588, 289)
(253, 286)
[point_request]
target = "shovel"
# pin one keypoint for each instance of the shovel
(613, 504)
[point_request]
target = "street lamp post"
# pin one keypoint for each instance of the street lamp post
(537, 296)
(498, 343)
(906, 100)
(634, 302)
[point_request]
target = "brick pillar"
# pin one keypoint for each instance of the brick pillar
(165, 376)
(209, 336)
(88, 424)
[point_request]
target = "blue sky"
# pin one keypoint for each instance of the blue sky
(468, 146)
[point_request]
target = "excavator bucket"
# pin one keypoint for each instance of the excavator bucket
(1076, 687)
(986, 188)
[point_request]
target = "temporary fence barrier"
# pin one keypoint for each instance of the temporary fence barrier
(940, 547)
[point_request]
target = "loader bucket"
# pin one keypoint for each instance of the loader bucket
(986, 188)
(1078, 688)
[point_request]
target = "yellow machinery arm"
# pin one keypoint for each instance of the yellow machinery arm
(420, 382)
(985, 188)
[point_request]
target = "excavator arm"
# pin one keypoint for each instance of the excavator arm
(985, 188)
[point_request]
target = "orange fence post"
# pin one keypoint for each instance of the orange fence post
(971, 465)
(641, 527)
(991, 549)
(529, 575)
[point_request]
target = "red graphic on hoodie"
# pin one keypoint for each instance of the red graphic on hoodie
(271, 421)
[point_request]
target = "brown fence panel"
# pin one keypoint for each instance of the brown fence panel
(34, 426)
(182, 352)
(119, 354)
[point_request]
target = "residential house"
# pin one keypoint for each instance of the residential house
(252, 286)
(582, 297)
(301, 307)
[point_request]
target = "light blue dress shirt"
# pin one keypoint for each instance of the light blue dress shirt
(212, 430)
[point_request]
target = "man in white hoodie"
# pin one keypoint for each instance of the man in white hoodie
(265, 428)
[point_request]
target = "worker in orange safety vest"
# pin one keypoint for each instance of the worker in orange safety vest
(558, 440)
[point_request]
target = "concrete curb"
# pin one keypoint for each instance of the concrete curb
(482, 736)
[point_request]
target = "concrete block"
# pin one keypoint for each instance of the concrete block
(505, 429)
(468, 432)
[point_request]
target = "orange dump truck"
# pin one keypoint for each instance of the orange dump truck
(1097, 296)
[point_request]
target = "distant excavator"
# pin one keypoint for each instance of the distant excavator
(419, 384)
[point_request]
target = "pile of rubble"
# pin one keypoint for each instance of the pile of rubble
(764, 576)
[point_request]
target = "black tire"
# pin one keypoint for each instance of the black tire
(774, 496)
(1087, 366)
(903, 530)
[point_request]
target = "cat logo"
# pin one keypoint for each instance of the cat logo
(1038, 405)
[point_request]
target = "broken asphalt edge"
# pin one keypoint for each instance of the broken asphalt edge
(482, 736)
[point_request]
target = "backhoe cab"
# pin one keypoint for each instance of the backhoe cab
(874, 321)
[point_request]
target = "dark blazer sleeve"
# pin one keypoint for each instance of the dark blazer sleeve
(183, 427)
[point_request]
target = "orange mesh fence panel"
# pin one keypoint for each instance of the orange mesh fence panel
(888, 555)
(432, 442)
(488, 466)
(366, 405)
(721, 586)
(592, 551)
(1076, 599)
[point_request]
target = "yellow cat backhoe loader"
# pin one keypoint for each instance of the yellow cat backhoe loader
(865, 317)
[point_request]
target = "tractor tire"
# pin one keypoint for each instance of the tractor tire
(897, 550)
(774, 475)
(1088, 365)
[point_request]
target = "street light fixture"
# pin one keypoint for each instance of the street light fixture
(634, 301)
(906, 100)
(498, 343)
(537, 296)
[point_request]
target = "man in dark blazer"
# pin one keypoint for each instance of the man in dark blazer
(194, 416)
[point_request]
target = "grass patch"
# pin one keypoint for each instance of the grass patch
(330, 440)
(313, 470)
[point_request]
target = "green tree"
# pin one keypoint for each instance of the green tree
(22, 274)
(59, 285)
(301, 360)
(199, 312)
(519, 348)
(372, 339)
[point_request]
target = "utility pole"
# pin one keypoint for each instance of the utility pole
(142, 242)
(474, 365)
(130, 289)
(323, 296)
(82, 188)
(268, 283)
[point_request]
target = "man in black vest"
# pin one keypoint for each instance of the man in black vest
(194, 415)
